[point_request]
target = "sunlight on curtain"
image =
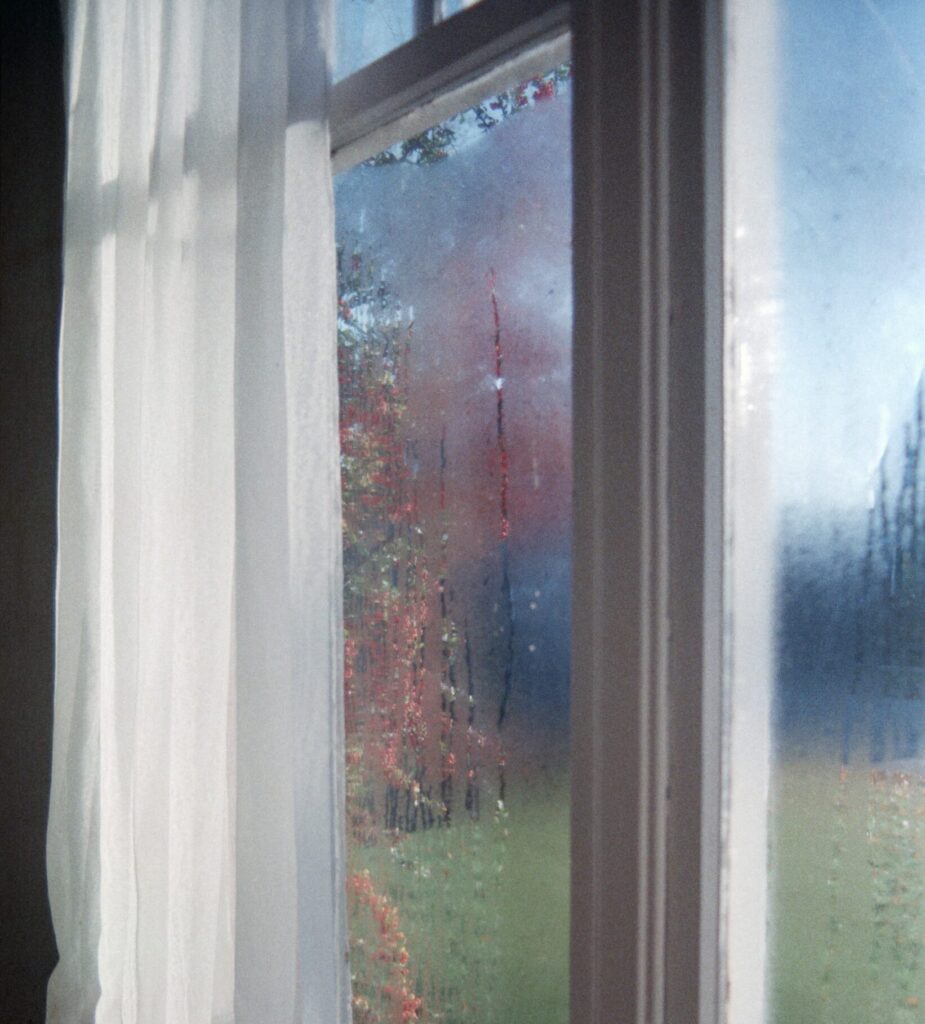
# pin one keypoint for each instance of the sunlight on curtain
(196, 808)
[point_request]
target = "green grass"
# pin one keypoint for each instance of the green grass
(484, 907)
(484, 910)
(847, 896)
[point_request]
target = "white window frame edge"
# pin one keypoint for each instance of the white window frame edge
(647, 638)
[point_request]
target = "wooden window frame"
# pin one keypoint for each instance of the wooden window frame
(648, 794)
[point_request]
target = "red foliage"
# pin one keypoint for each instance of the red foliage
(402, 1005)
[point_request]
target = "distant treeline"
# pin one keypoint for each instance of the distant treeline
(851, 613)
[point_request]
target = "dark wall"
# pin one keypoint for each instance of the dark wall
(32, 169)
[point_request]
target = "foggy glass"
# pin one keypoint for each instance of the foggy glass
(369, 29)
(828, 480)
(454, 339)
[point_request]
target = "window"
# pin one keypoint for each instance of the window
(455, 337)
(647, 523)
(747, 614)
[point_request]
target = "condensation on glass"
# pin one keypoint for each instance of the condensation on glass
(454, 335)
(826, 502)
(369, 29)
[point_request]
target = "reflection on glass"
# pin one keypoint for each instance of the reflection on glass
(455, 366)
(369, 29)
(839, 377)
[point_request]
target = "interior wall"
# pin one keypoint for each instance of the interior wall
(32, 174)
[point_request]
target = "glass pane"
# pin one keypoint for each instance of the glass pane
(369, 29)
(455, 365)
(827, 503)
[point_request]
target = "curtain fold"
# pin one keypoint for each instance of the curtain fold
(194, 832)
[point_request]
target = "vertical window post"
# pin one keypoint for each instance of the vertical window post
(648, 524)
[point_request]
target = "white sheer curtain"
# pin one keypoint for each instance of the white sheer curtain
(194, 862)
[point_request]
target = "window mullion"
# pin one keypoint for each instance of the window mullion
(647, 436)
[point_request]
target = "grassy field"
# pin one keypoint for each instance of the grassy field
(848, 896)
(483, 908)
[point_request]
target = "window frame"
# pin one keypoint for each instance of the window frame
(647, 592)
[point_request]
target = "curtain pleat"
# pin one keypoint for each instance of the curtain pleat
(194, 835)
